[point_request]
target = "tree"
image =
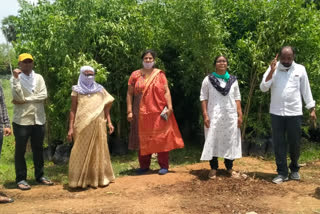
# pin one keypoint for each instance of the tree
(8, 28)
(110, 35)
(7, 58)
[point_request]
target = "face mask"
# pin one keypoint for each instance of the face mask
(287, 65)
(148, 65)
(88, 80)
(283, 67)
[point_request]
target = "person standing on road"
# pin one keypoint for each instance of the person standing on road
(288, 82)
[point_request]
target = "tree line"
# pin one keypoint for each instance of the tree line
(110, 35)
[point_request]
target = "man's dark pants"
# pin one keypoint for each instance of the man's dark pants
(22, 134)
(286, 130)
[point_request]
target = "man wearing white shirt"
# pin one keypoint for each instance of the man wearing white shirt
(288, 82)
(29, 93)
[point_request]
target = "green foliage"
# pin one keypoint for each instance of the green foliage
(7, 154)
(110, 35)
(258, 30)
(7, 57)
(8, 28)
(309, 152)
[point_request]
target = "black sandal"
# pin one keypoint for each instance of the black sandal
(23, 185)
(45, 181)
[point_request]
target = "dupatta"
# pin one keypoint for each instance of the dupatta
(156, 134)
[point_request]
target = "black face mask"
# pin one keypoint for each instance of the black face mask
(286, 64)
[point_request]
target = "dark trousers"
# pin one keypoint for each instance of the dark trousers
(227, 162)
(286, 130)
(36, 135)
(163, 160)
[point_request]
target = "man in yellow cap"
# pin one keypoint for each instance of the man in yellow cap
(29, 93)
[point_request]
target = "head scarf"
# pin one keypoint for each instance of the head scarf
(86, 84)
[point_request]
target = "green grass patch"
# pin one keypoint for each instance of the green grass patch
(122, 165)
(7, 172)
(310, 151)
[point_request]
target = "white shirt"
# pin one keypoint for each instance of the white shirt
(287, 87)
(32, 111)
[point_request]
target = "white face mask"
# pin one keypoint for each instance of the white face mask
(148, 65)
(87, 80)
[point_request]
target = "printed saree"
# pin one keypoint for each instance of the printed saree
(89, 163)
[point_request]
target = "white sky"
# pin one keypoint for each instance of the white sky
(9, 7)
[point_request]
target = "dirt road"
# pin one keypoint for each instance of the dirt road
(184, 190)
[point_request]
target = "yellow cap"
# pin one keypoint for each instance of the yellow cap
(24, 56)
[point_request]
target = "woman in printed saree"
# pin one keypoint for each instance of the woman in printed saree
(89, 163)
(221, 108)
(149, 110)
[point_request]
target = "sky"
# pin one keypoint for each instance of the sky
(7, 8)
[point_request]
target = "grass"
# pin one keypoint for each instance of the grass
(126, 164)
(7, 162)
(309, 152)
(122, 165)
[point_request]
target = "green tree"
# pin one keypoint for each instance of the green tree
(110, 35)
(8, 28)
(7, 58)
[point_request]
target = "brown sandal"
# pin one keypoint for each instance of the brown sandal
(5, 200)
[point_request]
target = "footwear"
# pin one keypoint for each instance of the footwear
(45, 181)
(295, 176)
(212, 174)
(163, 171)
(5, 200)
(23, 185)
(233, 174)
(141, 171)
(280, 179)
